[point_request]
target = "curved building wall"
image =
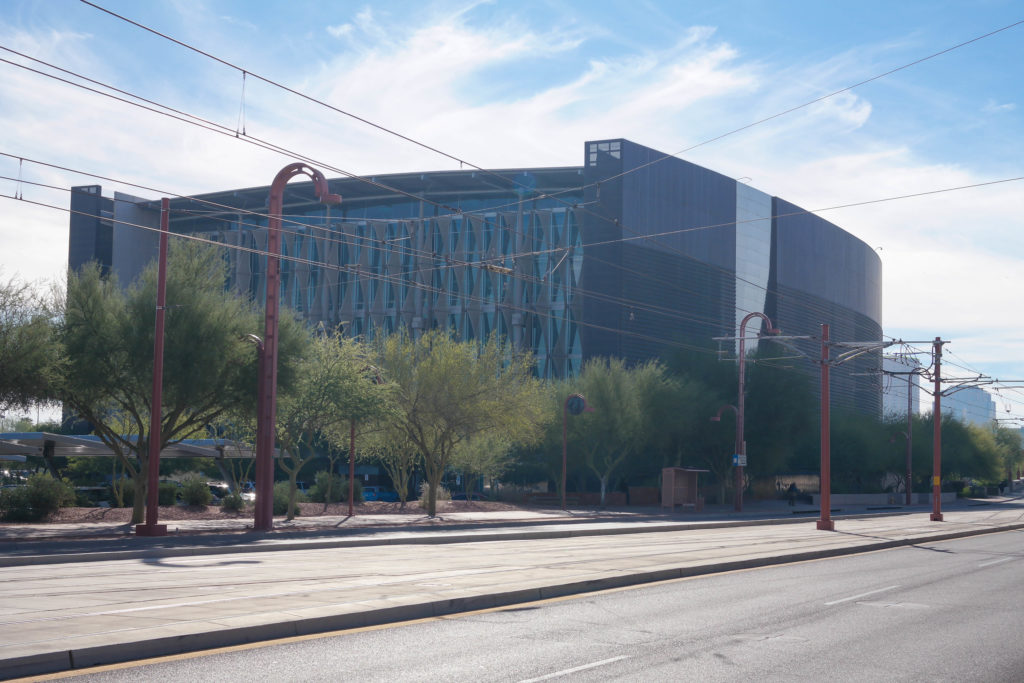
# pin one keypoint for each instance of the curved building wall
(823, 274)
(628, 255)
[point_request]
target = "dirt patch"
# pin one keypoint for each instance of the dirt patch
(210, 512)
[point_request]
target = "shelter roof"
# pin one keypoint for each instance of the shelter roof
(73, 446)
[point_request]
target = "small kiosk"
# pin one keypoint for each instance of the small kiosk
(679, 488)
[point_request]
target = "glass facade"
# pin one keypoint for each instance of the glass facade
(753, 253)
(627, 255)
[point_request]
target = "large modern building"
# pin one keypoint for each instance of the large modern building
(630, 254)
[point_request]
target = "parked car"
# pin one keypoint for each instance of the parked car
(219, 489)
(462, 496)
(379, 493)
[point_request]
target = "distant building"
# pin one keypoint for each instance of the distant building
(900, 374)
(629, 254)
(971, 406)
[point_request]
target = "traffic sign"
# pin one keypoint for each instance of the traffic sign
(739, 460)
(575, 404)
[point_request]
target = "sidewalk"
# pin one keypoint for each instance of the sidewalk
(148, 597)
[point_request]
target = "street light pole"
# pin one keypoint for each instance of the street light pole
(267, 401)
(741, 445)
(910, 436)
(151, 528)
(825, 522)
(936, 515)
(739, 432)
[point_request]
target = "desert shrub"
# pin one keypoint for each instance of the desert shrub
(281, 491)
(41, 497)
(357, 490)
(443, 494)
(195, 491)
(325, 479)
(167, 493)
(232, 502)
(127, 489)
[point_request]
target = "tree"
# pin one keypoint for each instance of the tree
(448, 391)
(782, 415)
(335, 388)
(29, 352)
(390, 446)
(209, 368)
(624, 417)
(1008, 442)
(481, 456)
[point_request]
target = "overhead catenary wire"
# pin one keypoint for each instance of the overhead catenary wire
(441, 263)
(202, 123)
(307, 226)
(451, 263)
(462, 161)
(354, 269)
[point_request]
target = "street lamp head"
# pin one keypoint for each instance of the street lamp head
(716, 418)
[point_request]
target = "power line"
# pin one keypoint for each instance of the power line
(387, 278)
(245, 71)
(820, 309)
(188, 118)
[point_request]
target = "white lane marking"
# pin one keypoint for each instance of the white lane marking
(992, 562)
(862, 595)
(573, 670)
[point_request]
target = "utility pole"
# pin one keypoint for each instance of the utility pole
(910, 437)
(825, 522)
(151, 527)
(936, 515)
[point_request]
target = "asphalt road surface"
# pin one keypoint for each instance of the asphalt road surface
(944, 611)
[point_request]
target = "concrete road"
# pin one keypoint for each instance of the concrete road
(62, 616)
(932, 612)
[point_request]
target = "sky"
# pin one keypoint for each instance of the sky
(526, 83)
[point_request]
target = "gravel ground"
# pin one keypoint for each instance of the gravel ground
(182, 512)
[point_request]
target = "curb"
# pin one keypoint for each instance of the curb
(427, 536)
(80, 658)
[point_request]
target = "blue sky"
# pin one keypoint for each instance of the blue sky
(504, 84)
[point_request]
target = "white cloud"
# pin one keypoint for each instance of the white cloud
(993, 107)
(952, 263)
(340, 30)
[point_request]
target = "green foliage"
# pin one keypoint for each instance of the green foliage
(29, 352)
(167, 493)
(441, 494)
(107, 338)
(88, 471)
(390, 446)
(357, 490)
(446, 391)
(122, 493)
(782, 421)
(327, 488)
(195, 491)
(232, 502)
(630, 407)
(41, 497)
(336, 388)
(282, 493)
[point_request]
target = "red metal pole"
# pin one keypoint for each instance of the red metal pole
(741, 444)
(565, 442)
(267, 403)
(351, 466)
(151, 528)
(825, 523)
(936, 515)
(910, 436)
